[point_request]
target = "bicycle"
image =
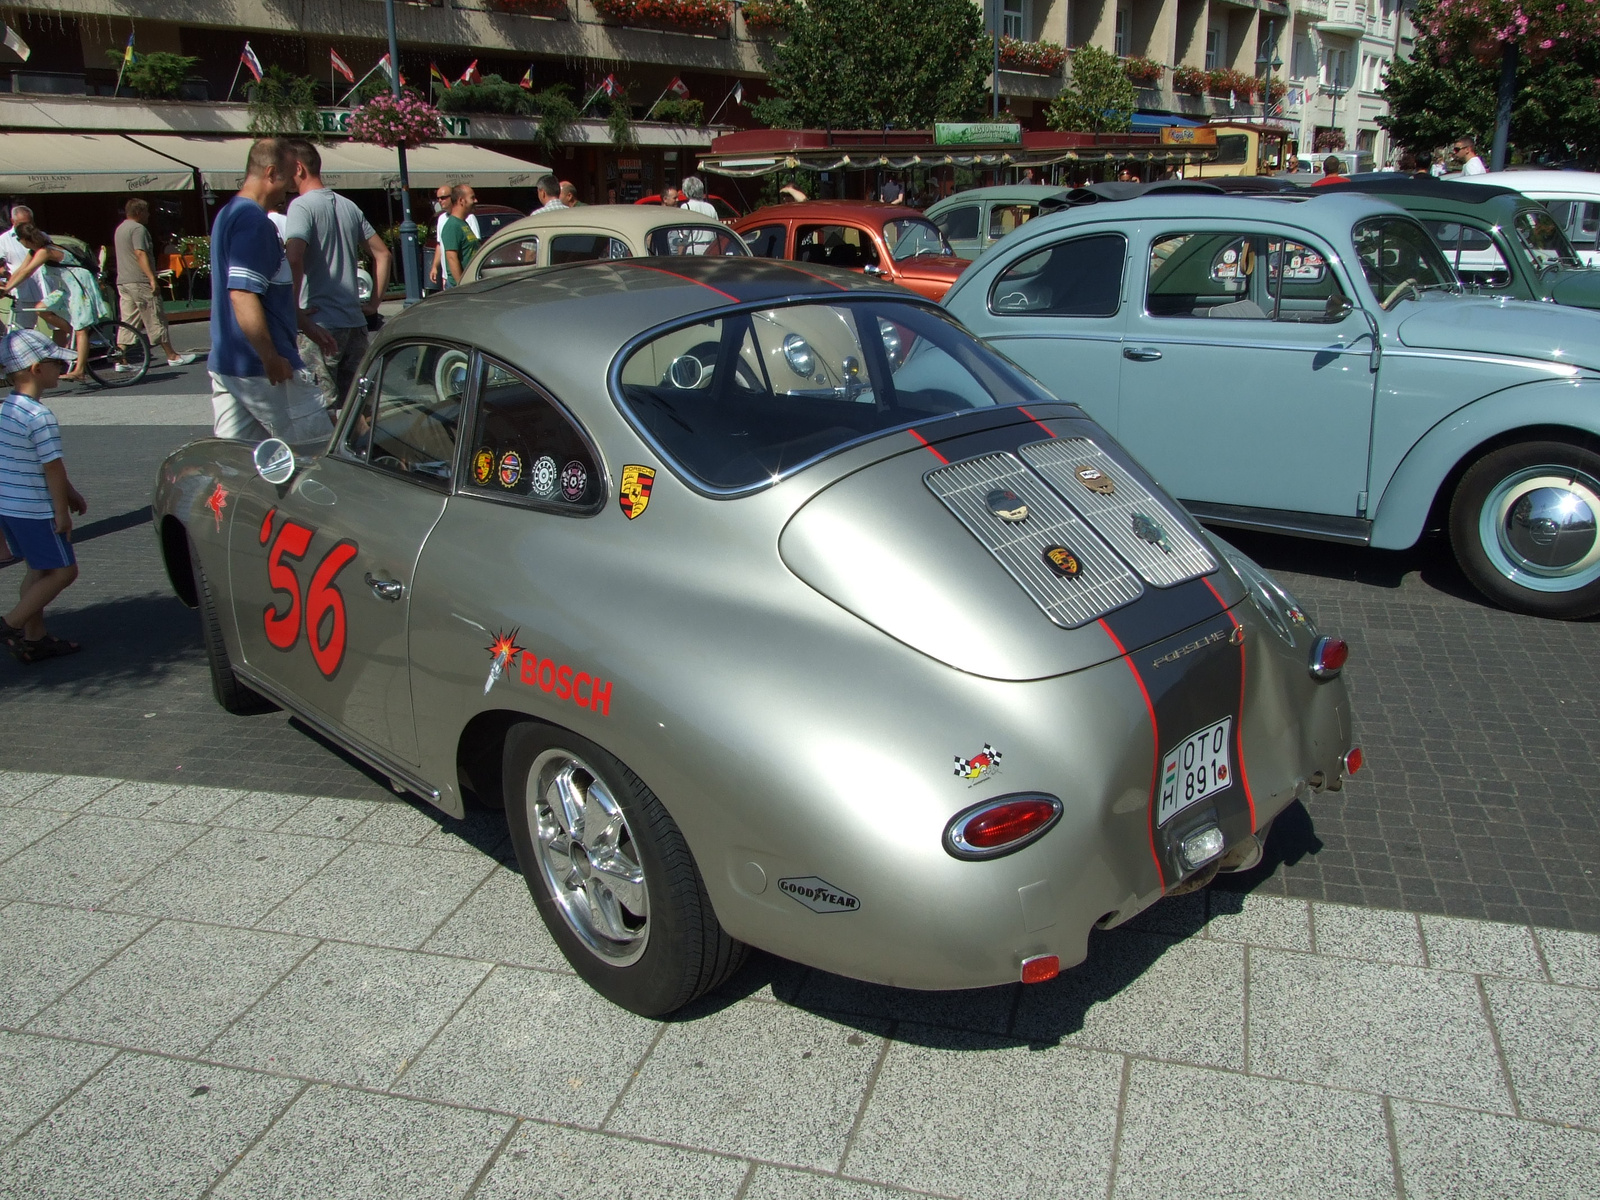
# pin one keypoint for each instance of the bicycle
(110, 365)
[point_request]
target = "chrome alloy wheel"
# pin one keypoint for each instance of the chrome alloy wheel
(1538, 528)
(588, 857)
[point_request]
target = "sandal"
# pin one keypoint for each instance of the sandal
(46, 647)
(10, 634)
(10, 562)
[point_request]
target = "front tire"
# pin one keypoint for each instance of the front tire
(611, 874)
(1525, 527)
(233, 695)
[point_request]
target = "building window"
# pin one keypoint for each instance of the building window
(1119, 42)
(1303, 60)
(1333, 67)
(1213, 48)
(1016, 20)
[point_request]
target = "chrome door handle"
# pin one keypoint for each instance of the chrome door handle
(385, 589)
(1141, 353)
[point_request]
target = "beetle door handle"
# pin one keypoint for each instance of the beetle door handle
(1141, 353)
(385, 589)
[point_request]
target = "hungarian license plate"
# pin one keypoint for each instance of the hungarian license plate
(1196, 768)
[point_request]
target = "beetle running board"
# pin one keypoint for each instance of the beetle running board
(1349, 531)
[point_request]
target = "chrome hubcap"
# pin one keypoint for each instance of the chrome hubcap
(1538, 528)
(588, 858)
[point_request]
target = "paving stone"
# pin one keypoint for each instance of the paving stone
(499, 923)
(335, 1144)
(1551, 1040)
(534, 1044)
(1448, 1154)
(1192, 1132)
(981, 1010)
(1345, 931)
(549, 1160)
(1145, 994)
(17, 785)
(1482, 947)
(163, 802)
(758, 1079)
(69, 793)
(402, 822)
(1259, 920)
(21, 827)
(383, 895)
(145, 1128)
(1573, 958)
(350, 1014)
(45, 950)
(37, 1073)
(1178, 916)
(1378, 1027)
(260, 810)
(987, 1118)
(229, 876)
(329, 816)
(174, 989)
(778, 1183)
(90, 859)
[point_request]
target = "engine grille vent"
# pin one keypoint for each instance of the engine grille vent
(1103, 582)
(1129, 517)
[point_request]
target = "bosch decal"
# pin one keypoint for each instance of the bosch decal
(483, 467)
(633, 492)
(320, 612)
(218, 501)
(510, 468)
(545, 477)
(818, 895)
(574, 480)
(1062, 561)
(580, 687)
(980, 766)
(502, 649)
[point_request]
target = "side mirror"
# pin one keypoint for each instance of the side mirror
(274, 461)
(1339, 307)
(872, 269)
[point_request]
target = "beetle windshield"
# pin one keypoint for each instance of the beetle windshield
(1543, 240)
(908, 237)
(741, 400)
(1395, 251)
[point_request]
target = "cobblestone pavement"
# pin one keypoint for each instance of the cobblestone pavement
(232, 993)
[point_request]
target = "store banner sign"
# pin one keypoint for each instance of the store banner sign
(337, 120)
(970, 133)
(1183, 135)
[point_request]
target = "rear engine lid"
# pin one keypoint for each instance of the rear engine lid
(1012, 548)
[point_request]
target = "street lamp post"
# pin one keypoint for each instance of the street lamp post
(408, 228)
(994, 77)
(1334, 90)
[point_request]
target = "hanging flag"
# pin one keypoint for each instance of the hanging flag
(341, 66)
(127, 51)
(387, 68)
(438, 75)
(247, 56)
(608, 85)
(470, 75)
(527, 79)
(20, 48)
(678, 88)
(738, 93)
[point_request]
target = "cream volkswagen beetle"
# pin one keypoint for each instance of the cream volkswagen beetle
(776, 611)
(596, 232)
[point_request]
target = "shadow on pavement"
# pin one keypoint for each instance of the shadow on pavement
(105, 525)
(1431, 560)
(132, 640)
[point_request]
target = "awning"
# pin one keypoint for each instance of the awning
(34, 163)
(348, 165)
(1163, 121)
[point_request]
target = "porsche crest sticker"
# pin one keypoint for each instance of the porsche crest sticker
(483, 467)
(1007, 505)
(1062, 561)
(1096, 480)
(633, 493)
(979, 767)
(510, 469)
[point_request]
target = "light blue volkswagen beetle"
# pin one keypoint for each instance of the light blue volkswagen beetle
(1307, 364)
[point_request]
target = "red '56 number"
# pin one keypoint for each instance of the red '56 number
(321, 612)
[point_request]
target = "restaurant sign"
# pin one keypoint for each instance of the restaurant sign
(337, 120)
(976, 133)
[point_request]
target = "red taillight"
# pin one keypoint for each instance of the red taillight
(1328, 657)
(1041, 968)
(1353, 760)
(1000, 826)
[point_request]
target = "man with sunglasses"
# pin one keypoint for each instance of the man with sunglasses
(1466, 152)
(442, 200)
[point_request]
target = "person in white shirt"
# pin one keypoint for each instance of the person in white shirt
(549, 189)
(442, 200)
(1466, 153)
(694, 199)
(16, 254)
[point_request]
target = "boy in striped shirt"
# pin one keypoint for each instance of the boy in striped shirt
(37, 499)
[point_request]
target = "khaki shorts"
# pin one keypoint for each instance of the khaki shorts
(334, 373)
(141, 306)
(251, 409)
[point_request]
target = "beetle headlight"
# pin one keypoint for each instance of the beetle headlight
(1283, 612)
(892, 343)
(797, 353)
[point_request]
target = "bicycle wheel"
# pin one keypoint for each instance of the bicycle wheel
(112, 365)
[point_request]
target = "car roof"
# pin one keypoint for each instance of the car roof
(1577, 183)
(1391, 183)
(625, 220)
(999, 191)
(833, 210)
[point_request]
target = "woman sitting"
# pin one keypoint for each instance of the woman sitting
(72, 299)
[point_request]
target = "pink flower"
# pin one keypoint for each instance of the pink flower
(1546, 44)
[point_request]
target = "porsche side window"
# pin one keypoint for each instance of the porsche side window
(1077, 278)
(767, 241)
(835, 246)
(409, 426)
(519, 252)
(1472, 253)
(524, 448)
(960, 224)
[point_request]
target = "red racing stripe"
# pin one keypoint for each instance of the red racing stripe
(929, 445)
(660, 271)
(818, 278)
(1238, 730)
(1035, 420)
(1155, 766)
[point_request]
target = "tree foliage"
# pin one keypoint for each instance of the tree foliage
(493, 95)
(1446, 90)
(1099, 98)
(283, 103)
(155, 76)
(865, 64)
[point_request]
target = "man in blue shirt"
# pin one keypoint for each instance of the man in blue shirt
(259, 386)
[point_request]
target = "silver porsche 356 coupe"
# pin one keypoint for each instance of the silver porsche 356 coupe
(776, 610)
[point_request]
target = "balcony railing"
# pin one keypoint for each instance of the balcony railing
(1346, 17)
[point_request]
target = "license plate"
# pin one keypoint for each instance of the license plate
(1197, 767)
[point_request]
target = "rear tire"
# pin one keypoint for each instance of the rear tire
(1525, 527)
(105, 355)
(233, 695)
(612, 876)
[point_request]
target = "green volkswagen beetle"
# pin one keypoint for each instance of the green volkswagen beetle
(974, 220)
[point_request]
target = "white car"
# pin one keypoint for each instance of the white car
(1573, 198)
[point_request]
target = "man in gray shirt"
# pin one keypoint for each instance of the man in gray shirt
(137, 293)
(323, 244)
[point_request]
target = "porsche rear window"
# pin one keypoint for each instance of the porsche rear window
(742, 400)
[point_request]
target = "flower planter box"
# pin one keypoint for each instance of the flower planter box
(1034, 58)
(676, 16)
(765, 18)
(529, 8)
